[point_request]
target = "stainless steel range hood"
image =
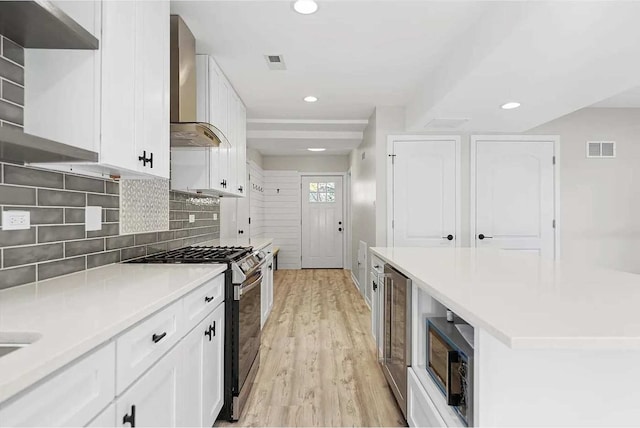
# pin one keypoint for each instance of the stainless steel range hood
(186, 131)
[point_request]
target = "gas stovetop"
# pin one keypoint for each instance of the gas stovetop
(198, 255)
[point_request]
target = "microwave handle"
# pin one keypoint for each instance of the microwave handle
(453, 363)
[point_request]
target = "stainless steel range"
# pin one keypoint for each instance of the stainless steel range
(242, 312)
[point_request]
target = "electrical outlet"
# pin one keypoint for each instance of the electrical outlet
(215, 216)
(16, 220)
(192, 218)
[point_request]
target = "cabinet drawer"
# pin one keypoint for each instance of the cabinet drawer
(71, 397)
(144, 344)
(200, 302)
(421, 412)
(376, 264)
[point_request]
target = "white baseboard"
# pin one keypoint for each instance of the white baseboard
(355, 281)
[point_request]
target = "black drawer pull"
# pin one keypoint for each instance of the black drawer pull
(214, 328)
(130, 418)
(144, 159)
(208, 299)
(210, 332)
(158, 337)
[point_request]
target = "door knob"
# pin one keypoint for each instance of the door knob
(481, 237)
(449, 237)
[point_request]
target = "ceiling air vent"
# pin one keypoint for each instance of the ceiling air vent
(275, 62)
(446, 123)
(601, 149)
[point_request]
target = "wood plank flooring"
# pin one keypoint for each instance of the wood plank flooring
(318, 363)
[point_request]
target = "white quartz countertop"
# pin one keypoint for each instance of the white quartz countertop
(76, 313)
(526, 301)
(256, 243)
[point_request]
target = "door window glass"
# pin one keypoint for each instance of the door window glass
(322, 192)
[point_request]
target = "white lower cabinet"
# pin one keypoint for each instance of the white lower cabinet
(201, 382)
(421, 412)
(72, 397)
(169, 369)
(152, 401)
(106, 419)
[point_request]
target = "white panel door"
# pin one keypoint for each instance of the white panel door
(322, 222)
(424, 193)
(514, 204)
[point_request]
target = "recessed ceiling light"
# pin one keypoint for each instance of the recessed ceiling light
(311, 99)
(316, 149)
(305, 7)
(510, 105)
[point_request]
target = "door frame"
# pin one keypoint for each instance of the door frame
(346, 221)
(456, 140)
(473, 147)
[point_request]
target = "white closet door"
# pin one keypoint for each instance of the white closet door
(424, 193)
(514, 185)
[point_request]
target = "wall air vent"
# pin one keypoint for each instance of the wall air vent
(275, 62)
(601, 149)
(451, 123)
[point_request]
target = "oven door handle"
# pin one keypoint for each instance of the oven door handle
(254, 284)
(454, 398)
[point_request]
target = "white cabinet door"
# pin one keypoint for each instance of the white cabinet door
(62, 95)
(213, 371)
(152, 86)
(118, 145)
(424, 193)
(224, 150)
(232, 180)
(72, 397)
(241, 151)
(152, 401)
(106, 419)
(191, 379)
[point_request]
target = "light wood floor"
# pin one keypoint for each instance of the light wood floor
(318, 365)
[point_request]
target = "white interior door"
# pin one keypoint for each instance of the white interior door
(424, 193)
(515, 192)
(322, 222)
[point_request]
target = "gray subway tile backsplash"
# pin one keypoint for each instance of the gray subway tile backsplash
(12, 195)
(17, 276)
(97, 260)
(61, 267)
(60, 233)
(17, 256)
(13, 51)
(87, 246)
(17, 237)
(11, 113)
(74, 215)
(32, 177)
(11, 71)
(61, 198)
(118, 242)
(74, 182)
(41, 215)
(12, 92)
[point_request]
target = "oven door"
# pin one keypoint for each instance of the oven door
(249, 325)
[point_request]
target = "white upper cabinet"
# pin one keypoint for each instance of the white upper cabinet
(115, 100)
(135, 86)
(214, 170)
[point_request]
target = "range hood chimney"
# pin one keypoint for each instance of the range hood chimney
(186, 131)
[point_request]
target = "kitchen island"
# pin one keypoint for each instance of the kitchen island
(555, 343)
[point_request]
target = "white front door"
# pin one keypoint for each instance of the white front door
(322, 222)
(514, 195)
(424, 193)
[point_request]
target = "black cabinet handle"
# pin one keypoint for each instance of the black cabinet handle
(158, 337)
(241, 189)
(144, 159)
(449, 237)
(375, 286)
(208, 299)
(241, 232)
(481, 237)
(130, 418)
(210, 332)
(271, 267)
(214, 328)
(339, 229)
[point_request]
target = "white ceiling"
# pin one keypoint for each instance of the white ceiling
(439, 59)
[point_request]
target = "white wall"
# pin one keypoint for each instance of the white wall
(282, 215)
(255, 156)
(313, 163)
(599, 198)
(256, 200)
(363, 193)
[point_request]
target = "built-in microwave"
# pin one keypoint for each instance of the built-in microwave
(450, 364)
